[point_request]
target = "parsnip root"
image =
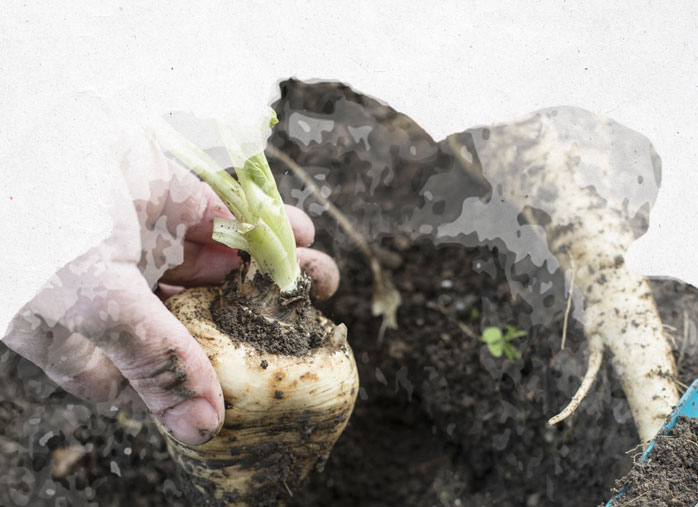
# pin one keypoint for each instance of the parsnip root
(283, 413)
(589, 175)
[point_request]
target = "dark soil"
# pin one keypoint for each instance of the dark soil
(441, 422)
(670, 475)
(56, 450)
(438, 421)
(257, 313)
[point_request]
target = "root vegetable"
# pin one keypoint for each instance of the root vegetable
(283, 412)
(589, 175)
(621, 310)
(288, 375)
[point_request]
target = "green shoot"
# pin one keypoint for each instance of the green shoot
(261, 227)
(499, 343)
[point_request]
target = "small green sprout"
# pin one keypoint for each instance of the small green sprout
(500, 343)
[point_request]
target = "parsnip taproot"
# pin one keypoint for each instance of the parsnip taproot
(586, 177)
(283, 412)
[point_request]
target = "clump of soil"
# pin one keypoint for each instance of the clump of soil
(256, 312)
(670, 474)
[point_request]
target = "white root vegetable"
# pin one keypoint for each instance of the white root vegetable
(621, 310)
(283, 413)
(590, 175)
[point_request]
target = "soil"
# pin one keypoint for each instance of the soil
(670, 475)
(438, 421)
(257, 313)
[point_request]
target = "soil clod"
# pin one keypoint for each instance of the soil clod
(254, 311)
(670, 475)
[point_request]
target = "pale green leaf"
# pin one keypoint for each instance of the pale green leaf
(492, 335)
(496, 348)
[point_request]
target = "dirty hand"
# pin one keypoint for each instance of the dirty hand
(97, 327)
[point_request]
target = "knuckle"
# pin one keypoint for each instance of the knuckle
(162, 372)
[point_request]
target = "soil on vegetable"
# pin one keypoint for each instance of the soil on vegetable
(256, 312)
(439, 421)
(670, 475)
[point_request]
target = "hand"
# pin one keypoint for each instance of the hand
(98, 330)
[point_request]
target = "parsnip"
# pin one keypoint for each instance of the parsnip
(283, 413)
(590, 175)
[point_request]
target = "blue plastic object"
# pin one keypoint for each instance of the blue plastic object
(688, 406)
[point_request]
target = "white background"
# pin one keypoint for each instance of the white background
(448, 65)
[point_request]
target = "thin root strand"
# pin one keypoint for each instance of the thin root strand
(569, 306)
(386, 298)
(595, 357)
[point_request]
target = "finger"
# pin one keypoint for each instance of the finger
(166, 291)
(302, 225)
(175, 193)
(321, 269)
(69, 359)
(203, 265)
(160, 186)
(148, 345)
(210, 206)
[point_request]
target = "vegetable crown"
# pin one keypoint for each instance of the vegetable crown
(261, 227)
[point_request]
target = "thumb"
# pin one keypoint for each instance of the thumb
(150, 347)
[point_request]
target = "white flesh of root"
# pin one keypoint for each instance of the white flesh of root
(283, 413)
(532, 164)
(620, 308)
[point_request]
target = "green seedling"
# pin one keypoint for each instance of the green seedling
(500, 343)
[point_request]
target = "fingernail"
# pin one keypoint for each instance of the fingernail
(192, 422)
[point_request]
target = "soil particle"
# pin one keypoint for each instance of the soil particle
(670, 475)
